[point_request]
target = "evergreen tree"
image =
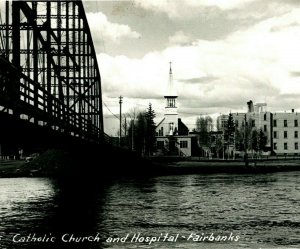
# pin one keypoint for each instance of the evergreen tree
(262, 140)
(229, 130)
(240, 139)
(249, 138)
(140, 133)
(254, 140)
(150, 130)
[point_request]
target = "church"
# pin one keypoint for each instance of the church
(172, 135)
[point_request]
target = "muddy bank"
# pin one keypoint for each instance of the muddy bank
(116, 162)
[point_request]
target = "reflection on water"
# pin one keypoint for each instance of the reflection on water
(259, 211)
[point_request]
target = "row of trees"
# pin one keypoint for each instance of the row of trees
(247, 137)
(140, 134)
(243, 138)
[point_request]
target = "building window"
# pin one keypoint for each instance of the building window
(161, 131)
(275, 146)
(265, 116)
(296, 122)
(265, 128)
(275, 123)
(253, 123)
(171, 102)
(171, 128)
(285, 134)
(285, 146)
(275, 134)
(296, 134)
(160, 145)
(296, 146)
(285, 123)
(183, 144)
(223, 124)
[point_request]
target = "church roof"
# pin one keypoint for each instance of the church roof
(182, 128)
(161, 122)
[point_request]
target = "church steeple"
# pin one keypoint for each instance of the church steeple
(171, 93)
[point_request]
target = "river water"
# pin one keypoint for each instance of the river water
(183, 211)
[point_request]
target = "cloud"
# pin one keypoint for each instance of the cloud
(104, 30)
(189, 8)
(201, 80)
(180, 38)
(295, 74)
(259, 10)
(215, 76)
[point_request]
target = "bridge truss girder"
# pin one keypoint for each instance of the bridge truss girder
(55, 79)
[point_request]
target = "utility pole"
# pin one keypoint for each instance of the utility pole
(234, 145)
(125, 132)
(120, 135)
(223, 145)
(246, 140)
(132, 136)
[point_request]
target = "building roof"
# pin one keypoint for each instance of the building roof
(182, 128)
(160, 122)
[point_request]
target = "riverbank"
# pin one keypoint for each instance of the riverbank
(198, 167)
(11, 167)
(57, 163)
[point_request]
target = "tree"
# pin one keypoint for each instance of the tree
(229, 133)
(249, 138)
(132, 114)
(229, 130)
(150, 130)
(142, 132)
(219, 145)
(203, 129)
(262, 140)
(254, 140)
(240, 139)
(258, 140)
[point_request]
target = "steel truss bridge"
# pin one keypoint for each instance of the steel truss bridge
(49, 76)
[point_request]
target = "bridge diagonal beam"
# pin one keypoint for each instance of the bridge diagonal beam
(54, 73)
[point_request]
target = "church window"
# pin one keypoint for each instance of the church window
(183, 144)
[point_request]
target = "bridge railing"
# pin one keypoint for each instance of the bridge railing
(36, 102)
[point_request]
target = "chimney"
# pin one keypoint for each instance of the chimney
(250, 106)
(293, 110)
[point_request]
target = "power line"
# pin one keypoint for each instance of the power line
(162, 109)
(111, 111)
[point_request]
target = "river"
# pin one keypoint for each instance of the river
(213, 211)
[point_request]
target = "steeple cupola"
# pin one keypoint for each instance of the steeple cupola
(171, 93)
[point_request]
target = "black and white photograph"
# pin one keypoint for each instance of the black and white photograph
(153, 124)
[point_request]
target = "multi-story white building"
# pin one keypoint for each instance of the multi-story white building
(282, 129)
(286, 133)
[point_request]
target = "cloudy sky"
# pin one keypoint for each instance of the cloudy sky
(224, 53)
